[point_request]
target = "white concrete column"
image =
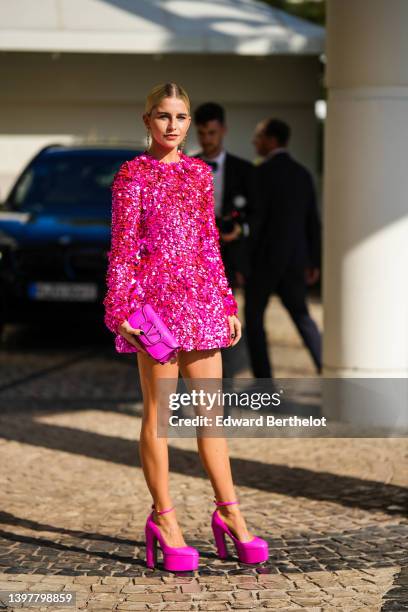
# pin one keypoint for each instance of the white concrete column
(365, 270)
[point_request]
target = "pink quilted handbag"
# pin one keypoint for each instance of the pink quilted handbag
(158, 340)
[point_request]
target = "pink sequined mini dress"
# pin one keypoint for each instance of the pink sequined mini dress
(165, 251)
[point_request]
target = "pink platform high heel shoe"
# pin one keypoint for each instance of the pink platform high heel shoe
(175, 559)
(253, 551)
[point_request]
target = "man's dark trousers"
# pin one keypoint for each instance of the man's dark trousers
(292, 290)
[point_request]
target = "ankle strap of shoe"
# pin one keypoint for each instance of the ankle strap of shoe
(162, 511)
(227, 503)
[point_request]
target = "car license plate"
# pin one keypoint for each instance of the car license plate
(70, 292)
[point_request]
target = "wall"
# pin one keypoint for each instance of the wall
(49, 98)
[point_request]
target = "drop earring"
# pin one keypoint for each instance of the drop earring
(148, 139)
(182, 145)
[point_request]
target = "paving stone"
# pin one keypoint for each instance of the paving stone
(242, 595)
(176, 597)
(239, 579)
(267, 594)
(114, 580)
(278, 604)
(212, 606)
(192, 587)
(147, 597)
(178, 606)
(211, 596)
(275, 594)
(133, 588)
(305, 602)
(106, 588)
(178, 580)
(220, 587)
(248, 585)
(125, 607)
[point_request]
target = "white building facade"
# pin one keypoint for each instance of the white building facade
(80, 69)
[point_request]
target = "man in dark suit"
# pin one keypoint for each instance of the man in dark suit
(233, 191)
(285, 244)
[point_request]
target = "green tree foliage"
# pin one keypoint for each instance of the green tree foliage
(313, 10)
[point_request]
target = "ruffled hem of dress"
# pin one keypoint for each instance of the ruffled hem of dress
(123, 346)
(205, 348)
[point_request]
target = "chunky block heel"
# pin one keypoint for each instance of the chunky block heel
(254, 551)
(151, 548)
(219, 536)
(175, 558)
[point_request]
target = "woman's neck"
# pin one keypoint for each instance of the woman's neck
(164, 155)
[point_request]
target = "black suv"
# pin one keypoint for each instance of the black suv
(55, 233)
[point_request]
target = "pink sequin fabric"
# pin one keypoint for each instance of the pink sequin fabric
(165, 251)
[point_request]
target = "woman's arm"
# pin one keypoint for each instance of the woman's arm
(211, 245)
(123, 255)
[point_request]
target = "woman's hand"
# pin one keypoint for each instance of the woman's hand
(312, 275)
(236, 232)
(129, 334)
(235, 329)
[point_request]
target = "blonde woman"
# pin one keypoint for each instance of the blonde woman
(165, 252)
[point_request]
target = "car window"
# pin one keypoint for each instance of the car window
(66, 183)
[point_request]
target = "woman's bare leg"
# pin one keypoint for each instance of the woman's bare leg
(213, 450)
(153, 451)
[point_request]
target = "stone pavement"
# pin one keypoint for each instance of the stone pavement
(74, 501)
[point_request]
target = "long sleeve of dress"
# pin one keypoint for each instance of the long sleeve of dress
(124, 252)
(211, 246)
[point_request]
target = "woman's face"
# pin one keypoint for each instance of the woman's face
(168, 122)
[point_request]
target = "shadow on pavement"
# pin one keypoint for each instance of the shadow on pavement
(344, 490)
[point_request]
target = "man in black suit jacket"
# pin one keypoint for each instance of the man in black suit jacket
(234, 191)
(285, 244)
